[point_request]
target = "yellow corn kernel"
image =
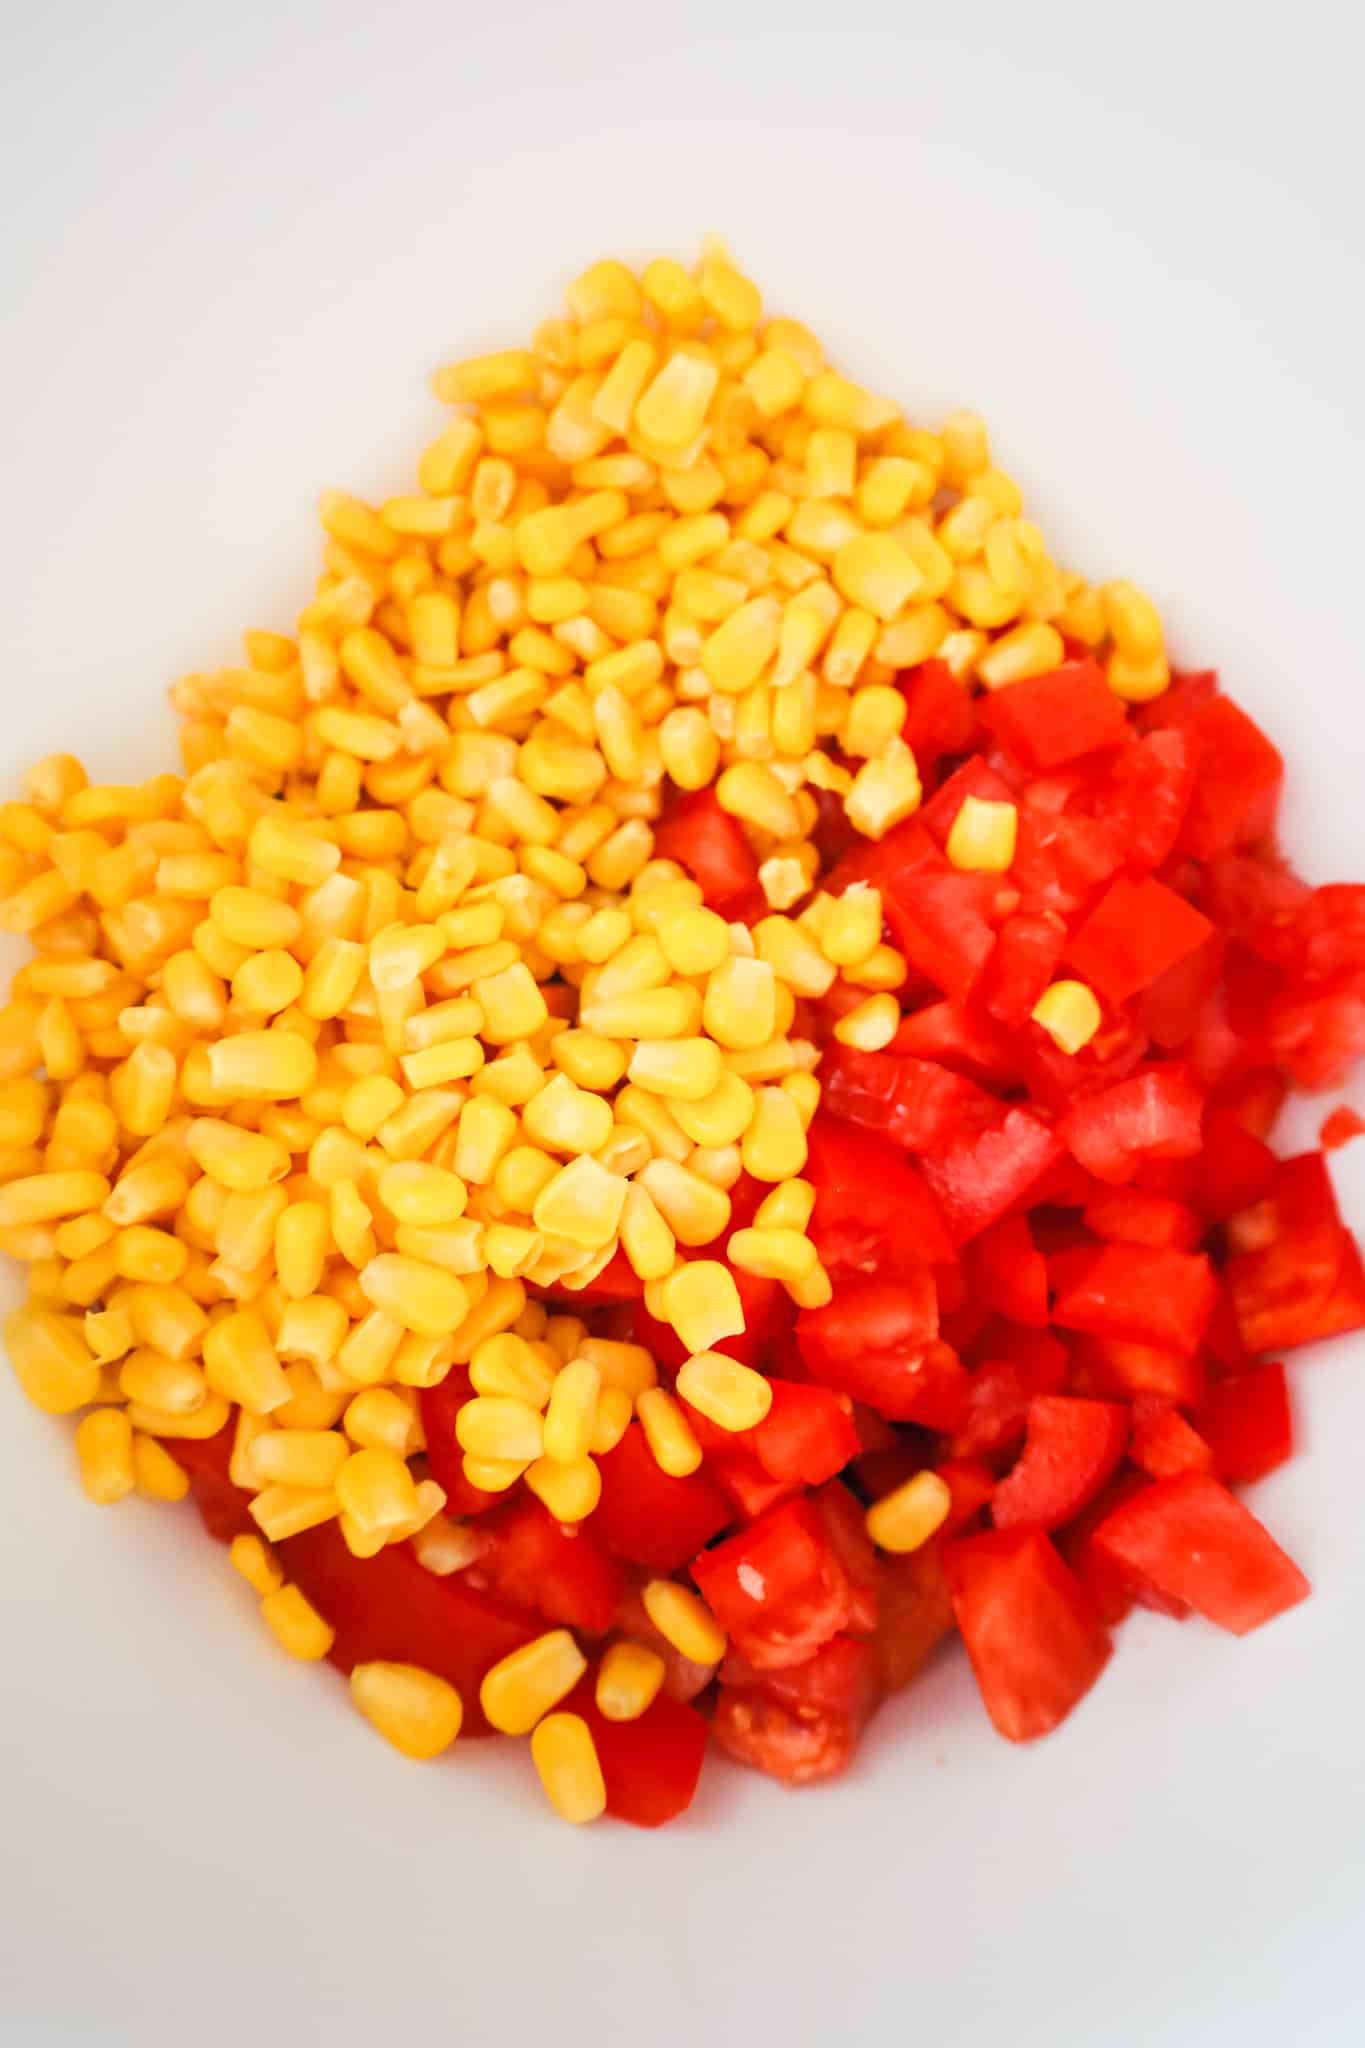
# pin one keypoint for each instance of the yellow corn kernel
(241, 1364)
(851, 926)
(268, 982)
(1070, 1014)
(701, 1301)
(414, 1710)
(530, 1681)
(567, 1766)
(511, 373)
(694, 940)
(507, 1366)
(155, 1472)
(884, 791)
(773, 1253)
(793, 956)
(684, 1620)
(884, 968)
(312, 1328)
(966, 448)
(672, 410)
(1132, 620)
(445, 1547)
(683, 1068)
(570, 1490)
(296, 1625)
(425, 1195)
(261, 1066)
(751, 792)
(583, 1202)
(773, 1147)
(493, 1426)
(904, 1520)
(739, 1009)
(668, 1433)
(298, 1457)
(104, 1448)
(565, 1118)
(872, 1026)
(689, 748)
(983, 836)
(375, 1488)
(175, 1385)
(732, 1396)
(628, 1681)
(419, 1297)
(874, 572)
(572, 1410)
(46, 1197)
(1033, 649)
(512, 1004)
(737, 652)
(1137, 679)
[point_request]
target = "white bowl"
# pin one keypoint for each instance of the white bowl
(238, 246)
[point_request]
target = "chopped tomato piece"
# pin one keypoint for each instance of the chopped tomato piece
(1050, 719)
(1140, 1292)
(777, 1588)
(1008, 1273)
(1339, 1128)
(565, 1574)
(648, 1516)
(846, 1529)
(1163, 1442)
(1136, 932)
(959, 1039)
(976, 1178)
(1071, 1450)
(1247, 1423)
(204, 1460)
(1238, 774)
(748, 1486)
(650, 1766)
(915, 1614)
(1028, 947)
(392, 1609)
(941, 918)
(710, 844)
(1281, 1290)
(1235, 1167)
(1193, 1541)
(1131, 1216)
(797, 1745)
(915, 1103)
(872, 1208)
(1118, 1366)
(870, 1341)
(975, 778)
(1035, 1642)
(807, 1435)
(1145, 795)
(940, 714)
(1152, 1115)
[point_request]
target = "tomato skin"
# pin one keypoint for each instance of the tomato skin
(777, 1587)
(875, 1341)
(808, 1434)
(1008, 1273)
(1156, 1114)
(1028, 947)
(1237, 779)
(1281, 1292)
(915, 1614)
(1194, 1541)
(1145, 795)
(1072, 1449)
(841, 1678)
(1035, 1642)
(710, 844)
(1235, 1168)
(940, 715)
(1047, 720)
(1163, 1443)
(846, 1532)
(390, 1608)
(1149, 1296)
(872, 1208)
(649, 1517)
(941, 918)
(975, 1179)
(1247, 1423)
(532, 1561)
(1136, 932)
(916, 1104)
(650, 1766)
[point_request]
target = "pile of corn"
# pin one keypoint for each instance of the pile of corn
(384, 1013)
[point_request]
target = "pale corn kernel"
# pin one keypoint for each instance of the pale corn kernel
(672, 410)
(583, 1202)
(793, 956)
(296, 1625)
(526, 1684)
(904, 1520)
(773, 1147)
(571, 1412)
(614, 1411)
(104, 1449)
(416, 1192)
(494, 1426)
(772, 1253)
(736, 653)
(876, 714)
(1034, 649)
(593, 1062)
(445, 1547)
(685, 1068)
(1070, 1014)
(872, 1025)
(1137, 679)
(966, 448)
(155, 1472)
(422, 1298)
(417, 1712)
(375, 1488)
(511, 373)
(646, 1239)
(627, 1367)
(643, 1013)
(506, 1365)
(628, 1681)
(668, 1433)
(298, 1457)
(701, 1301)
(885, 790)
(739, 1009)
(752, 792)
(175, 1385)
(1132, 620)
(257, 1564)
(884, 968)
(689, 747)
(730, 1395)
(684, 1620)
(788, 1207)
(983, 836)
(566, 1763)
(852, 926)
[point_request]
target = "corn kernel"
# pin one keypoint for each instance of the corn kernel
(414, 1710)
(884, 791)
(530, 1681)
(297, 1626)
(684, 1620)
(668, 1433)
(904, 1520)
(1070, 1014)
(730, 1395)
(872, 1025)
(983, 836)
(566, 1763)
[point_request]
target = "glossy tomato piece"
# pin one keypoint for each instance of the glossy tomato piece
(777, 1588)
(846, 1528)
(1145, 794)
(977, 1177)
(204, 1460)
(872, 1341)
(1152, 1115)
(1008, 1273)
(650, 1766)
(1247, 1423)
(1237, 779)
(872, 1208)
(392, 1609)
(1131, 1216)
(564, 1573)
(916, 1104)
(941, 918)
(808, 1434)
(1140, 1292)
(1034, 1639)
(1163, 1443)
(710, 844)
(1071, 1450)
(1281, 1289)
(1135, 933)
(648, 1516)
(1028, 947)
(1195, 1542)
(1049, 719)
(940, 714)
(915, 1614)
(801, 1723)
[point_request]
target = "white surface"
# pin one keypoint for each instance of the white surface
(236, 239)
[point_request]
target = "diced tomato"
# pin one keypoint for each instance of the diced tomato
(1008, 1273)
(1255, 1097)
(392, 1609)
(650, 1766)
(1238, 774)
(846, 1529)
(1113, 1589)
(563, 1573)
(1247, 1423)
(870, 1341)
(940, 714)
(204, 1460)
(1345, 1306)
(1235, 1167)
(971, 1484)
(1062, 858)
(1185, 1009)
(797, 1745)
(960, 1039)
(1131, 1216)
(914, 1103)
(807, 1435)
(841, 1678)
(1035, 1642)
(1120, 1367)
(1136, 932)
(941, 918)
(1058, 717)
(710, 844)
(1280, 1292)
(872, 1209)
(1002, 1385)
(1163, 1442)
(1340, 1127)
(1071, 1450)
(1148, 1295)
(748, 1486)
(1192, 1540)
(439, 1406)
(648, 1516)
(1316, 1033)
(976, 1178)
(915, 1615)
(975, 778)
(777, 1587)
(1023, 964)
(1145, 794)
(1155, 1114)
